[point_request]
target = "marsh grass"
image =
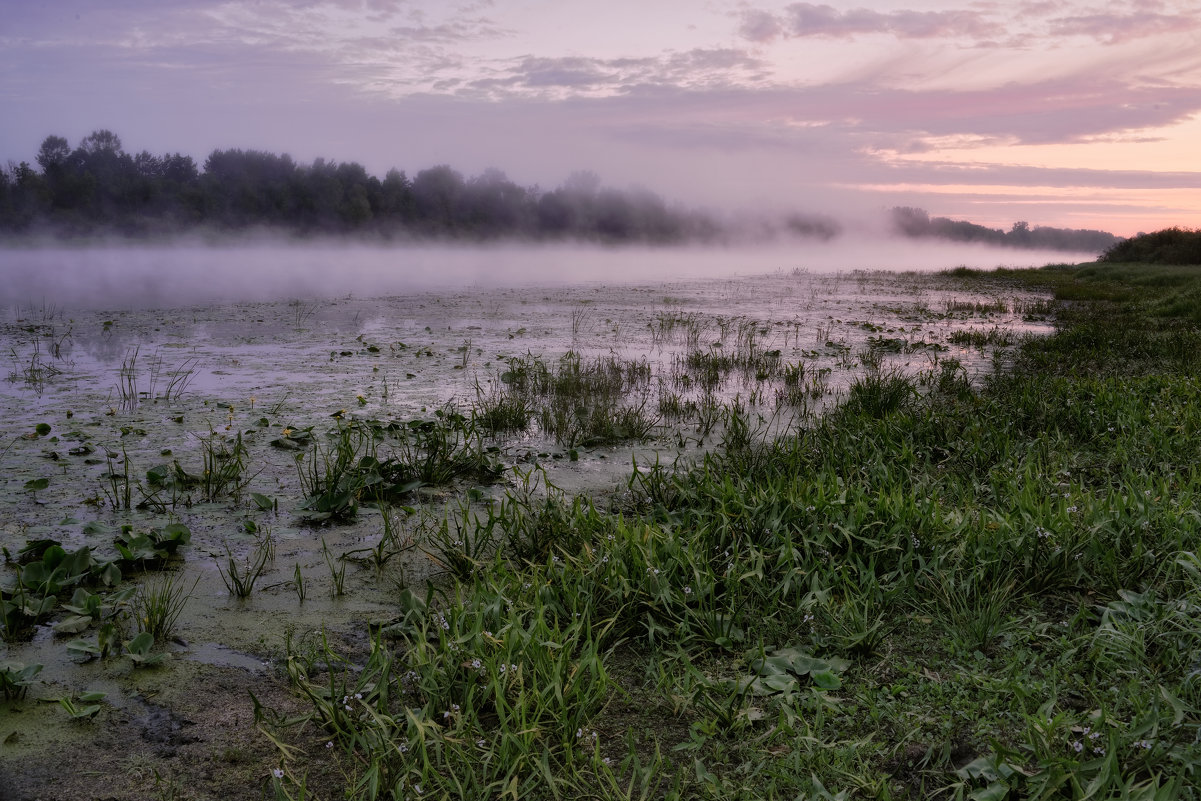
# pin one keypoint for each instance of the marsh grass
(576, 401)
(369, 461)
(34, 371)
(240, 576)
(158, 603)
(981, 338)
(118, 487)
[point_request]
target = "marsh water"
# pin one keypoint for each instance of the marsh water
(101, 388)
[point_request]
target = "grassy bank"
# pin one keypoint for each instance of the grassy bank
(937, 590)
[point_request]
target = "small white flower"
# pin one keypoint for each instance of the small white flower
(330, 744)
(278, 773)
(1077, 746)
(688, 591)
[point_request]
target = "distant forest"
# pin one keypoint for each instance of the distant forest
(97, 190)
(917, 223)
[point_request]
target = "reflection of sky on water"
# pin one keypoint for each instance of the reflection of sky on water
(433, 347)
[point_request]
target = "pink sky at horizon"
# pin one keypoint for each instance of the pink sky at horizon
(1071, 114)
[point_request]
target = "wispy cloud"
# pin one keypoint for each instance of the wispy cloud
(981, 23)
(808, 19)
(1119, 28)
(557, 77)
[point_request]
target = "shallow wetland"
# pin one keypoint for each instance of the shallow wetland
(296, 474)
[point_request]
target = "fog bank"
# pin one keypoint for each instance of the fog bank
(123, 276)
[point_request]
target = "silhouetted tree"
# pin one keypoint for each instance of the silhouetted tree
(437, 196)
(1168, 246)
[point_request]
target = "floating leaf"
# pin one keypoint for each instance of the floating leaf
(73, 625)
(88, 648)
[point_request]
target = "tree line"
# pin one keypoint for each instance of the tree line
(98, 189)
(917, 223)
(1168, 246)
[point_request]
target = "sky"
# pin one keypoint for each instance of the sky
(1071, 114)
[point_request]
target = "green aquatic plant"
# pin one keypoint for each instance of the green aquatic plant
(337, 571)
(392, 542)
(158, 602)
(139, 651)
(298, 584)
(151, 549)
(381, 463)
(240, 576)
(498, 411)
(93, 608)
(16, 678)
(83, 706)
(107, 641)
(119, 487)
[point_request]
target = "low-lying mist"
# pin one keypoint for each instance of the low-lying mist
(124, 276)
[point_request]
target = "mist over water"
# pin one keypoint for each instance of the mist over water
(121, 277)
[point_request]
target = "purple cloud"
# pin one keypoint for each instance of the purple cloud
(706, 68)
(808, 19)
(1118, 28)
(760, 26)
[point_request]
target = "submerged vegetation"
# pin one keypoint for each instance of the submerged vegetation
(932, 585)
